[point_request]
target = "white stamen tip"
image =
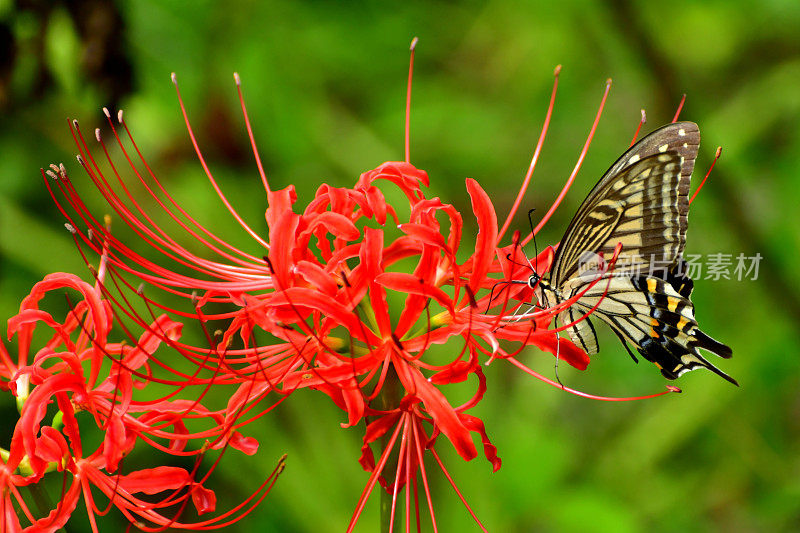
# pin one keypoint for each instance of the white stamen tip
(80, 160)
(557, 70)
(414, 42)
(106, 112)
(51, 174)
(97, 135)
(644, 117)
(174, 78)
(236, 78)
(90, 234)
(119, 116)
(75, 123)
(70, 228)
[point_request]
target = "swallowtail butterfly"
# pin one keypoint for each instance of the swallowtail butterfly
(641, 203)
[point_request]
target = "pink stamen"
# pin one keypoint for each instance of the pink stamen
(250, 133)
(401, 458)
(575, 170)
(416, 504)
(407, 484)
(418, 447)
(373, 478)
(163, 190)
(408, 100)
(458, 492)
(534, 159)
(161, 276)
(642, 121)
(680, 108)
(717, 154)
(515, 362)
(251, 260)
(210, 176)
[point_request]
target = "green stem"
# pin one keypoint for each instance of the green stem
(389, 398)
(41, 498)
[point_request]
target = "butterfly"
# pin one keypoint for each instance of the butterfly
(641, 204)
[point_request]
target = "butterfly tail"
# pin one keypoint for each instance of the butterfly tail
(693, 361)
(707, 343)
(675, 356)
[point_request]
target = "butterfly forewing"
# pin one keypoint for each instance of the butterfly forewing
(643, 210)
(641, 201)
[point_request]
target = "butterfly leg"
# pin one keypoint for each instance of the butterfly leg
(625, 344)
(558, 351)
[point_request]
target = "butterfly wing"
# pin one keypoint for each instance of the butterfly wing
(641, 201)
(654, 314)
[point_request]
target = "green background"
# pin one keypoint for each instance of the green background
(325, 86)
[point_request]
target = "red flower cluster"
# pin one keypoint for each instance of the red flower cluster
(79, 369)
(380, 306)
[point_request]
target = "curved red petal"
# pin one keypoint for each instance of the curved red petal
(402, 282)
(438, 407)
(486, 240)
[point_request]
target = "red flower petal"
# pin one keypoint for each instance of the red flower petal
(204, 500)
(155, 480)
(316, 276)
(438, 407)
(486, 239)
(338, 225)
(423, 233)
(456, 372)
(407, 283)
(489, 450)
(371, 257)
(283, 240)
(247, 445)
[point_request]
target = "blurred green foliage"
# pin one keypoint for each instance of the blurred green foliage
(325, 87)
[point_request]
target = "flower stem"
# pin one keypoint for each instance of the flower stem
(41, 498)
(388, 399)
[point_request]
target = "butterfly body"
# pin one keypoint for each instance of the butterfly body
(638, 215)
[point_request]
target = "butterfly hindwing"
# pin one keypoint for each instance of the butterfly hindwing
(652, 314)
(580, 329)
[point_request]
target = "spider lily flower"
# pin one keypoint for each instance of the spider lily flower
(384, 307)
(86, 376)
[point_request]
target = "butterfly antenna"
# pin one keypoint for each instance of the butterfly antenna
(535, 247)
(535, 266)
(523, 265)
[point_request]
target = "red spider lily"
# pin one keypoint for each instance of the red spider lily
(56, 374)
(383, 307)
